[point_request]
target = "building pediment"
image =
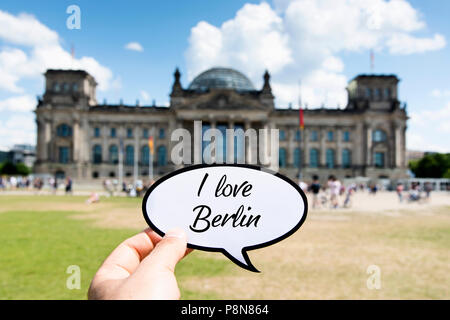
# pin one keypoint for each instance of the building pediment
(223, 99)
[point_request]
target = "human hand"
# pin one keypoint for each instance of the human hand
(141, 267)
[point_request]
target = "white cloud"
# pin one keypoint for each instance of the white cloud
(437, 93)
(134, 46)
(25, 30)
(428, 130)
(17, 129)
(18, 104)
(253, 41)
(406, 44)
(40, 49)
(303, 39)
(145, 96)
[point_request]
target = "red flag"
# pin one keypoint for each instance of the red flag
(302, 122)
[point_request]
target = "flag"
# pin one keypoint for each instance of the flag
(150, 144)
(301, 119)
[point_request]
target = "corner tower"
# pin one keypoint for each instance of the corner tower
(375, 92)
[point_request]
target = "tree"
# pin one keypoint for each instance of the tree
(22, 169)
(447, 174)
(434, 165)
(10, 168)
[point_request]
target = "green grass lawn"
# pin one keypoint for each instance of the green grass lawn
(37, 246)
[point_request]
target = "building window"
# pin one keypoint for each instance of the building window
(298, 135)
(97, 154)
(387, 93)
(346, 158)
(129, 133)
(297, 157)
(65, 87)
(56, 87)
(282, 157)
(330, 158)
(129, 155)
(161, 156)
(96, 132)
(379, 159)
(64, 130)
(63, 154)
(314, 135)
(377, 93)
(330, 135)
(162, 133)
(368, 93)
(113, 133)
(145, 133)
(113, 154)
(313, 158)
(145, 155)
(379, 136)
(74, 87)
(346, 136)
(282, 135)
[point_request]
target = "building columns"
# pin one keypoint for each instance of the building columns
(323, 154)
(339, 147)
(368, 144)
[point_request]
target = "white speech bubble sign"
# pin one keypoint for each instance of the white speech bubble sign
(228, 208)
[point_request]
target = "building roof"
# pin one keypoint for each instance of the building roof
(376, 76)
(221, 78)
(82, 72)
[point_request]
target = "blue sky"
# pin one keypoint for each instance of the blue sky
(323, 43)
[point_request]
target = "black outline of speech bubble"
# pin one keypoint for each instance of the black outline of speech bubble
(244, 250)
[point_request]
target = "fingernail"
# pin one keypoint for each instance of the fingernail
(176, 233)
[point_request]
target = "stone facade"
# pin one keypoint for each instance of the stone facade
(78, 137)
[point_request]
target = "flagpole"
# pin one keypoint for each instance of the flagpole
(150, 171)
(120, 164)
(136, 167)
(301, 126)
(150, 151)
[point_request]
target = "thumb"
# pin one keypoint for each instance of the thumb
(155, 278)
(167, 252)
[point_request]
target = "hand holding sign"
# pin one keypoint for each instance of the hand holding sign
(226, 208)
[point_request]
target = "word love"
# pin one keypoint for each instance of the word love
(205, 219)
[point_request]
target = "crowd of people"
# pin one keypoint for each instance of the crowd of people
(416, 193)
(334, 194)
(13, 183)
(330, 194)
(136, 189)
(34, 183)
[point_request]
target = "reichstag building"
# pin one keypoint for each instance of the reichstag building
(80, 138)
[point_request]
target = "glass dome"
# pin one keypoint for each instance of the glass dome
(221, 78)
